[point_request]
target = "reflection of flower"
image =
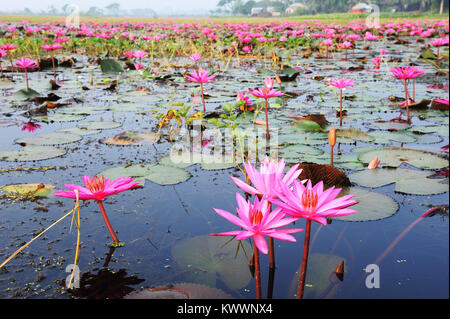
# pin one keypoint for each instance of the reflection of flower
(30, 127)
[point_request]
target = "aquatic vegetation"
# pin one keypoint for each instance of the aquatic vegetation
(126, 110)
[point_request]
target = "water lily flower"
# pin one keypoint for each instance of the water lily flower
(195, 57)
(266, 93)
(52, 48)
(99, 188)
(266, 180)
(341, 84)
(26, 63)
(404, 74)
(201, 76)
(8, 47)
(257, 221)
(312, 202)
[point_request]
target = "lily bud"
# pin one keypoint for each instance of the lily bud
(332, 137)
(374, 163)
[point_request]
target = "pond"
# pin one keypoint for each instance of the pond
(119, 124)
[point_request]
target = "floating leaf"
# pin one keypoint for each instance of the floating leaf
(55, 138)
(371, 205)
(407, 181)
(394, 156)
(111, 66)
(319, 276)
(133, 138)
(32, 153)
(99, 125)
(182, 290)
(35, 190)
(308, 125)
(209, 257)
(25, 94)
(157, 173)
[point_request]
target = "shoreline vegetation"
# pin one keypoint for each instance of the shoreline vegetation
(324, 18)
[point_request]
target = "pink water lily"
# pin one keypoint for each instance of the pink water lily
(201, 76)
(195, 57)
(98, 188)
(312, 202)
(266, 181)
(266, 93)
(404, 74)
(341, 84)
(52, 48)
(258, 221)
(26, 63)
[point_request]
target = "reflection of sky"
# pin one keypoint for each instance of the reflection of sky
(171, 5)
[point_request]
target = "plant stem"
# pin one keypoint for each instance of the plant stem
(53, 63)
(267, 122)
(203, 98)
(257, 273)
(340, 113)
(26, 77)
(407, 101)
(301, 282)
(108, 224)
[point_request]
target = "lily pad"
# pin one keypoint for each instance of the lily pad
(35, 190)
(32, 153)
(79, 131)
(55, 138)
(319, 276)
(209, 257)
(157, 173)
(25, 94)
(371, 205)
(132, 138)
(100, 125)
(406, 181)
(111, 66)
(394, 156)
(382, 137)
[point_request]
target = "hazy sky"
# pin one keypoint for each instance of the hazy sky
(157, 5)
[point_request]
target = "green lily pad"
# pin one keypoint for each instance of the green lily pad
(386, 137)
(25, 94)
(35, 190)
(111, 66)
(319, 275)
(406, 181)
(308, 125)
(100, 125)
(371, 205)
(79, 131)
(32, 153)
(55, 138)
(394, 156)
(157, 173)
(352, 134)
(210, 257)
(440, 129)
